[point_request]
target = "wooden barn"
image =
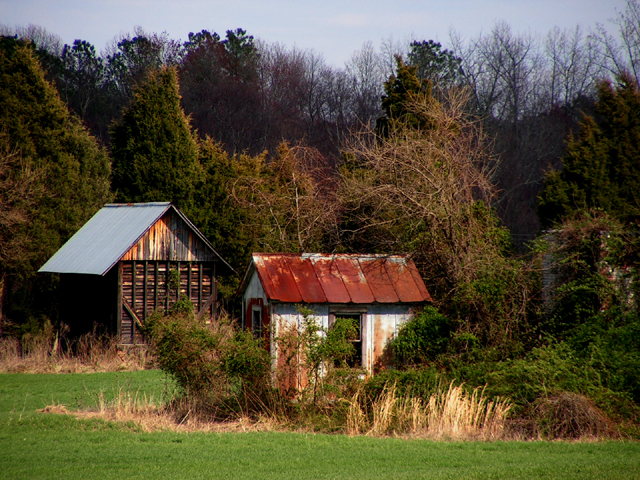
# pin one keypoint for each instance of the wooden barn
(380, 292)
(130, 260)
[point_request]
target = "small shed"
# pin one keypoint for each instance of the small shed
(380, 292)
(130, 260)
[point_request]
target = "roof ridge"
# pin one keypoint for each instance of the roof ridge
(130, 205)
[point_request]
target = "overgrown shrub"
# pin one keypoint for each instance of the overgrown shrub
(594, 260)
(548, 373)
(422, 338)
(570, 416)
(224, 369)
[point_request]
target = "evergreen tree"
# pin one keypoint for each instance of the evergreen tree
(403, 90)
(70, 173)
(215, 211)
(436, 64)
(602, 166)
(154, 151)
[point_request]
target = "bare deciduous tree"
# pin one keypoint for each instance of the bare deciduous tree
(623, 56)
(289, 202)
(416, 190)
(426, 191)
(366, 73)
(573, 67)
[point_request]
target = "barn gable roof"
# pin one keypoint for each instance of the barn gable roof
(109, 235)
(335, 278)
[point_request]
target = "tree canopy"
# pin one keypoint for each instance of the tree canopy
(601, 166)
(153, 149)
(425, 188)
(401, 91)
(37, 125)
(437, 64)
(56, 173)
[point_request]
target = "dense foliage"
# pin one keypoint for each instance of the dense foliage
(55, 176)
(601, 168)
(154, 151)
(216, 365)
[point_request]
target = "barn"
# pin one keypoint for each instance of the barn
(380, 292)
(130, 260)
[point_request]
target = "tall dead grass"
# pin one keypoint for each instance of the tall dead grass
(451, 414)
(140, 412)
(89, 353)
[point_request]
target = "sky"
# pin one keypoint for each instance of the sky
(333, 28)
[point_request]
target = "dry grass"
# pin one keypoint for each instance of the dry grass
(145, 414)
(88, 353)
(452, 414)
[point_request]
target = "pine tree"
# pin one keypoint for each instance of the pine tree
(403, 90)
(602, 166)
(68, 173)
(154, 151)
(439, 65)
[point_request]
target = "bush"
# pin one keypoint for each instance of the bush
(422, 338)
(225, 370)
(545, 375)
(570, 416)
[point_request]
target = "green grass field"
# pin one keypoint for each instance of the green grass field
(40, 445)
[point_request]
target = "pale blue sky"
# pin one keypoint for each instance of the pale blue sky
(334, 28)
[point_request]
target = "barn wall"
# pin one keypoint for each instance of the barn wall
(150, 286)
(170, 238)
(254, 288)
(288, 314)
(284, 315)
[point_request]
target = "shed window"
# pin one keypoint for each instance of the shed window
(256, 321)
(356, 359)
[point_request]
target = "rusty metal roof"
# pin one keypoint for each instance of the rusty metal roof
(108, 235)
(335, 278)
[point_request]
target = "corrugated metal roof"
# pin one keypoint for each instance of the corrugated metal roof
(320, 278)
(108, 235)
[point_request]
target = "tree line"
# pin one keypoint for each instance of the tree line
(531, 90)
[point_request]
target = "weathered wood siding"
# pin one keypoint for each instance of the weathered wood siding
(170, 238)
(383, 323)
(150, 286)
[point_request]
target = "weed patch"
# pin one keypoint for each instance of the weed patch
(89, 353)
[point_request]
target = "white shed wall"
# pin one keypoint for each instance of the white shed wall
(380, 324)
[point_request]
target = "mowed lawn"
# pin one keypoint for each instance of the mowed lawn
(40, 445)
